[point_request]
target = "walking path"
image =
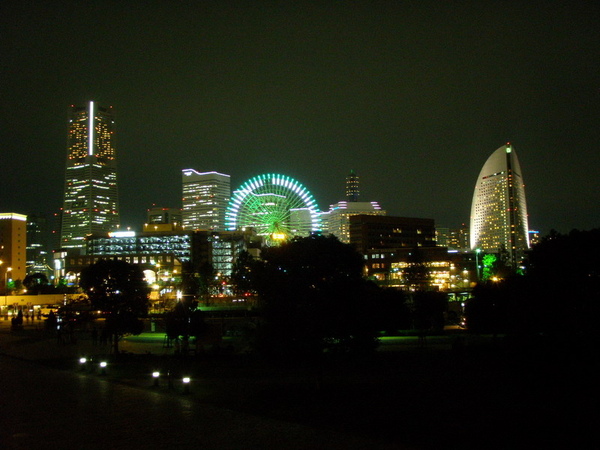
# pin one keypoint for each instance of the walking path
(227, 429)
(34, 342)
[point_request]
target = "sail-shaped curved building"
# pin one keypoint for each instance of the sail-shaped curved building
(499, 209)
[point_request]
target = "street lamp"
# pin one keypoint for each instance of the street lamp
(477, 252)
(8, 269)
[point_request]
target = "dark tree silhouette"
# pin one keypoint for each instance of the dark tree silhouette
(558, 296)
(119, 290)
(314, 299)
(36, 283)
(241, 276)
(185, 321)
(393, 313)
(564, 275)
(429, 309)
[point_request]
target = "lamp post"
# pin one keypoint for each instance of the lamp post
(8, 269)
(477, 252)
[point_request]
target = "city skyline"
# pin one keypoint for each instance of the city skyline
(412, 96)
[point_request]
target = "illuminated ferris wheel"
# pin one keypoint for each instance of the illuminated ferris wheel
(276, 206)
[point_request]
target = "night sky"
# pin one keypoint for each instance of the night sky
(414, 96)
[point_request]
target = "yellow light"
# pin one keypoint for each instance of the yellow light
(278, 236)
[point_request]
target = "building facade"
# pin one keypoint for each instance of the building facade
(368, 232)
(91, 196)
(352, 187)
(156, 215)
(13, 247)
(499, 220)
(39, 245)
(205, 199)
(337, 219)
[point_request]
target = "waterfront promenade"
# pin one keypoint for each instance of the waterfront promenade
(48, 401)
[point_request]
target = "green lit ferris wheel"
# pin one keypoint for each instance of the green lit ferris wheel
(275, 206)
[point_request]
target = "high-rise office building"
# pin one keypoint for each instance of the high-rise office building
(91, 196)
(368, 232)
(205, 199)
(336, 221)
(38, 245)
(352, 187)
(499, 210)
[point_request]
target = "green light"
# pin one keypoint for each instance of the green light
(274, 205)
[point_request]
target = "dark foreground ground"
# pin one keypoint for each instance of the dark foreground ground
(487, 394)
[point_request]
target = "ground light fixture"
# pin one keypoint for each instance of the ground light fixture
(82, 361)
(103, 365)
(186, 385)
(156, 376)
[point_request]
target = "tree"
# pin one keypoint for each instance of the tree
(393, 313)
(241, 276)
(429, 309)
(119, 290)
(36, 283)
(184, 321)
(564, 281)
(314, 299)
(557, 296)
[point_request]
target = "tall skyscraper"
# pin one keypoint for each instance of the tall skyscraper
(38, 245)
(205, 199)
(352, 187)
(499, 210)
(91, 196)
(336, 221)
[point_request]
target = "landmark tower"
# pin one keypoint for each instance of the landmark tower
(91, 197)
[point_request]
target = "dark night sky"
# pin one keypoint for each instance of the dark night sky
(414, 96)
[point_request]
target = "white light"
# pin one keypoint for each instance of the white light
(91, 130)
(118, 234)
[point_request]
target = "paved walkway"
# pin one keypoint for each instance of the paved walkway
(222, 427)
(33, 342)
